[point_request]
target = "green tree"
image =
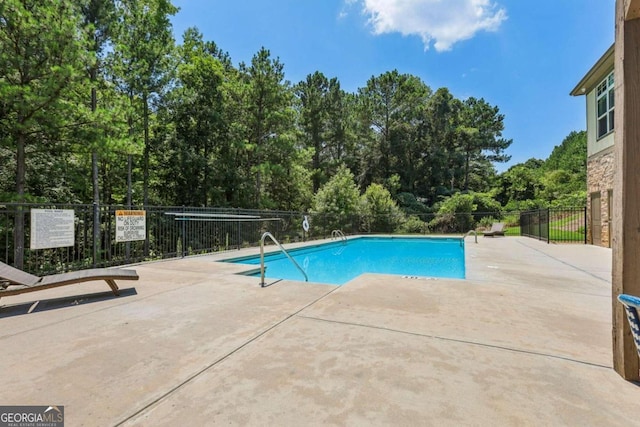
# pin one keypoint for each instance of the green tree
(408, 142)
(564, 181)
(554, 185)
(455, 214)
(340, 137)
(558, 181)
(519, 183)
(196, 106)
(480, 136)
(326, 115)
(312, 94)
(380, 213)
(338, 200)
(393, 102)
(142, 59)
(440, 159)
(98, 21)
(269, 133)
(485, 205)
(570, 155)
(42, 58)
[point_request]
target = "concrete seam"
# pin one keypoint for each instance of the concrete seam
(219, 360)
(565, 263)
(417, 334)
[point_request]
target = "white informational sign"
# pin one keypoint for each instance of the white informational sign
(131, 225)
(52, 228)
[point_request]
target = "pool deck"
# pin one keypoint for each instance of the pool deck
(524, 340)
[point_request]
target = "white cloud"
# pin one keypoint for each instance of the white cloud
(441, 22)
(346, 6)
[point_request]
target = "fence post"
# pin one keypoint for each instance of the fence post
(96, 232)
(18, 236)
(585, 225)
(548, 225)
(539, 224)
(184, 233)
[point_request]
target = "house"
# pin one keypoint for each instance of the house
(598, 88)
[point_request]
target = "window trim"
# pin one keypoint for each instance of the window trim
(608, 92)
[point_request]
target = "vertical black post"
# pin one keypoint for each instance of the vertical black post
(184, 234)
(539, 233)
(18, 236)
(585, 224)
(548, 225)
(127, 245)
(304, 233)
(96, 232)
(146, 237)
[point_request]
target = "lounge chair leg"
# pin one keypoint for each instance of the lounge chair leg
(113, 286)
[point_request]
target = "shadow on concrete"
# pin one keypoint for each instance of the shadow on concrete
(57, 303)
(266, 285)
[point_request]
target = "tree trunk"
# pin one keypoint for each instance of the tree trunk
(145, 178)
(18, 232)
(317, 145)
(129, 180)
(129, 160)
(467, 160)
(96, 207)
(205, 178)
(145, 159)
(95, 180)
(127, 245)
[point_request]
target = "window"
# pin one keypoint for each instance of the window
(605, 100)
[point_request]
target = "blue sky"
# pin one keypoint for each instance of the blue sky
(523, 56)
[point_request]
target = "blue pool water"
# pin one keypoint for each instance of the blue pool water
(338, 262)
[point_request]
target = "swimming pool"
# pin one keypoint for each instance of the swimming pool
(338, 262)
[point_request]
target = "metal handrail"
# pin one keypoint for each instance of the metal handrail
(338, 234)
(273, 239)
(471, 231)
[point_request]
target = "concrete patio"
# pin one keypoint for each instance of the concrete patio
(524, 340)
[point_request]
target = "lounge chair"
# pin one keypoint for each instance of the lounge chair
(497, 229)
(632, 305)
(14, 281)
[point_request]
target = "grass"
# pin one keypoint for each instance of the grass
(561, 228)
(555, 233)
(512, 231)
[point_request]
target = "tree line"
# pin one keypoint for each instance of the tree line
(101, 89)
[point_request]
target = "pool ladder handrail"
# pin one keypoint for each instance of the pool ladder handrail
(338, 234)
(273, 239)
(469, 232)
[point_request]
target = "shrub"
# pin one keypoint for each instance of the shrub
(410, 205)
(379, 212)
(486, 222)
(338, 200)
(413, 225)
(454, 214)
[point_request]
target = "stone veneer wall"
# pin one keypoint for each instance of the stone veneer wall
(600, 179)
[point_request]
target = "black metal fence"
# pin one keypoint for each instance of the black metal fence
(170, 232)
(181, 231)
(567, 225)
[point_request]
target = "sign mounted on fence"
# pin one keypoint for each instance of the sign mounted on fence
(52, 228)
(131, 225)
